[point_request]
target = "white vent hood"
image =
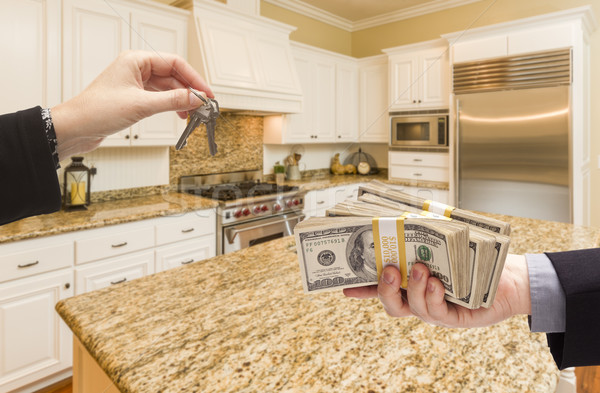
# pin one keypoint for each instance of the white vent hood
(246, 59)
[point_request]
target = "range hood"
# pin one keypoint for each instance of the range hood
(245, 58)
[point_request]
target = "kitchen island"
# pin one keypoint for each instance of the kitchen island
(240, 322)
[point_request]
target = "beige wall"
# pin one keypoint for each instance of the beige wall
(310, 31)
(369, 42)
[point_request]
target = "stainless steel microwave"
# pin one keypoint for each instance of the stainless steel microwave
(418, 129)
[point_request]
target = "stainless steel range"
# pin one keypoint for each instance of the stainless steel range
(250, 211)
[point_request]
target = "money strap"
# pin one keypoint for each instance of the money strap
(437, 208)
(388, 236)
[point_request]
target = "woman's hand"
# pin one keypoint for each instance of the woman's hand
(136, 85)
(424, 297)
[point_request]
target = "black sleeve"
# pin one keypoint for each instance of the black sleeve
(579, 275)
(28, 179)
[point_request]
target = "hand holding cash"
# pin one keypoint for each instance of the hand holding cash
(450, 255)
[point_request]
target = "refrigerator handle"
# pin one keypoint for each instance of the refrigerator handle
(457, 154)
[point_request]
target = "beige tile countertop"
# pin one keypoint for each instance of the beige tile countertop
(241, 323)
(140, 208)
(102, 214)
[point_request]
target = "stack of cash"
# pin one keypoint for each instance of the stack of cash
(351, 246)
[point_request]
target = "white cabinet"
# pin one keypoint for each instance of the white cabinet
(418, 166)
(419, 76)
(316, 202)
(330, 89)
(373, 100)
(512, 42)
(95, 32)
(113, 271)
(30, 41)
(346, 101)
(34, 342)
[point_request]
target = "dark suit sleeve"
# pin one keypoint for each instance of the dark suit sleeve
(579, 275)
(28, 179)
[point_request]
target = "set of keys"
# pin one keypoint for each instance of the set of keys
(206, 114)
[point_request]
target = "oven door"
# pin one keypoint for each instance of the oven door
(244, 235)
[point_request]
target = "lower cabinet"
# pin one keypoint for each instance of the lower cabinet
(35, 344)
(34, 341)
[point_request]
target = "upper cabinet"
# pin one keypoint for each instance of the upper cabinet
(330, 112)
(94, 33)
(30, 41)
(418, 76)
(373, 100)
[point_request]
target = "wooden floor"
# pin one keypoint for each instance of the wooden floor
(588, 381)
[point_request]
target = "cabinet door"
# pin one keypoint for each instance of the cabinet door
(30, 41)
(298, 126)
(434, 78)
(155, 32)
(113, 271)
(94, 34)
(34, 341)
(346, 101)
(184, 253)
(324, 99)
(403, 74)
(373, 107)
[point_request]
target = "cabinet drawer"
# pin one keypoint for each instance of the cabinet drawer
(419, 159)
(184, 253)
(27, 258)
(418, 173)
(108, 245)
(174, 229)
(113, 271)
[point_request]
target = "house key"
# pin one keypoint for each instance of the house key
(206, 114)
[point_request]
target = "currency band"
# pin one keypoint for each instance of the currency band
(437, 208)
(390, 248)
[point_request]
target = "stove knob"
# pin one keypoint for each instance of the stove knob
(289, 203)
(246, 211)
(237, 213)
(277, 207)
(256, 209)
(264, 208)
(296, 202)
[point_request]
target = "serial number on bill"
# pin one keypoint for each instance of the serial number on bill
(325, 242)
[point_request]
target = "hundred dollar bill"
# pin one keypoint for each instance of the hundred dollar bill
(346, 252)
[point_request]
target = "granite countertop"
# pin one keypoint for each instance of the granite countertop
(241, 323)
(140, 208)
(102, 214)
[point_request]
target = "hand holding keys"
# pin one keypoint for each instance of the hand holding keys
(206, 114)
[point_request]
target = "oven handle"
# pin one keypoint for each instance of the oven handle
(231, 233)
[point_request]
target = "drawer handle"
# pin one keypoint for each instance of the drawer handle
(320, 202)
(187, 230)
(119, 281)
(187, 262)
(24, 265)
(119, 245)
(417, 174)
(417, 159)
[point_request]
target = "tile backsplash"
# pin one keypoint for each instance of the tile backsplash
(239, 141)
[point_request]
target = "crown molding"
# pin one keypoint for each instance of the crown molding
(311, 11)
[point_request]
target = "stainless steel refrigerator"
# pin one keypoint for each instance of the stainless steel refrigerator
(513, 137)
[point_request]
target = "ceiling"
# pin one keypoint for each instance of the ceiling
(355, 10)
